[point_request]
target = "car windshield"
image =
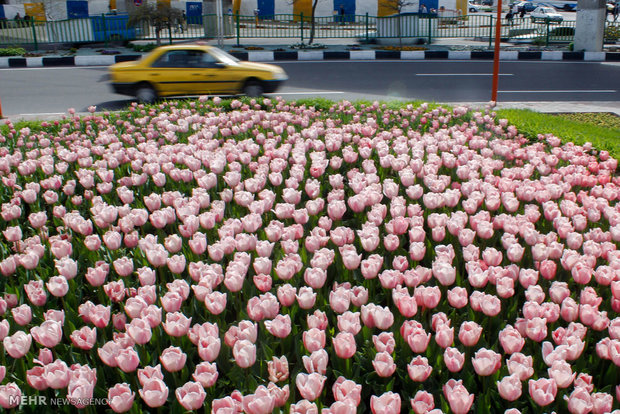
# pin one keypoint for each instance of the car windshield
(546, 10)
(223, 56)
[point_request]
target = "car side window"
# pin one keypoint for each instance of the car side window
(204, 60)
(172, 59)
(186, 59)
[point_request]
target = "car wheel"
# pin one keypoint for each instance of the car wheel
(145, 93)
(533, 20)
(253, 88)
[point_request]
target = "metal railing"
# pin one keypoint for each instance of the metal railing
(291, 27)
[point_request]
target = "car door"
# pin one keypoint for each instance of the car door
(182, 72)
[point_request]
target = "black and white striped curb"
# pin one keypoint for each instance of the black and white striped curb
(271, 56)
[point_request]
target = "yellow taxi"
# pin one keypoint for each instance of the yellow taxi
(193, 69)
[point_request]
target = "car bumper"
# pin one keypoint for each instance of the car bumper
(123, 88)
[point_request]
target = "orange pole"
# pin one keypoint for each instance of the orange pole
(1, 110)
(498, 30)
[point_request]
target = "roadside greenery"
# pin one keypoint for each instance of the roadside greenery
(143, 48)
(603, 119)
(604, 136)
(12, 51)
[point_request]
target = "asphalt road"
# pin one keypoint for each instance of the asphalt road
(41, 91)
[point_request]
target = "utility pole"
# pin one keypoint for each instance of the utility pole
(498, 33)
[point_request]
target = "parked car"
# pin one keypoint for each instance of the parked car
(193, 69)
(546, 14)
(473, 8)
(529, 6)
(566, 5)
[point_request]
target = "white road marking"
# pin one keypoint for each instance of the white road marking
(566, 91)
(462, 74)
(41, 114)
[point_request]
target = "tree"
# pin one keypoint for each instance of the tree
(312, 22)
(161, 16)
(397, 7)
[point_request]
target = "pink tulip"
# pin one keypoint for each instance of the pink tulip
(384, 342)
(286, 295)
(457, 297)
(511, 340)
(173, 359)
(469, 334)
(191, 395)
(419, 370)
(520, 365)
(344, 389)
(543, 391)
(147, 373)
(154, 392)
(458, 397)
(22, 314)
(278, 369)
(316, 362)
(261, 402)
(206, 374)
(602, 402)
(486, 362)
(562, 373)
(304, 407)
(579, 401)
(177, 324)
(314, 339)
(36, 378)
(120, 398)
(344, 345)
(280, 326)
(422, 402)
(306, 297)
(536, 329)
(57, 375)
(310, 386)
(139, 330)
(453, 359)
(18, 344)
(84, 338)
(48, 334)
(57, 286)
(387, 403)
(244, 353)
(510, 387)
(127, 359)
(384, 364)
(10, 395)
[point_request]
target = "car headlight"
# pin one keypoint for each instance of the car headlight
(280, 76)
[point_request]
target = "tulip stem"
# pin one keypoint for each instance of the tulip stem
(348, 369)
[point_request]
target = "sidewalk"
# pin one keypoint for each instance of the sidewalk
(268, 49)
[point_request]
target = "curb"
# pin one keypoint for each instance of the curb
(314, 55)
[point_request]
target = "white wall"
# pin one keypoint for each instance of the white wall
(58, 8)
(11, 10)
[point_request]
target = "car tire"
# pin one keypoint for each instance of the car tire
(253, 88)
(145, 93)
(533, 20)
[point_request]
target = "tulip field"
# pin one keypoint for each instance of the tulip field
(265, 256)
